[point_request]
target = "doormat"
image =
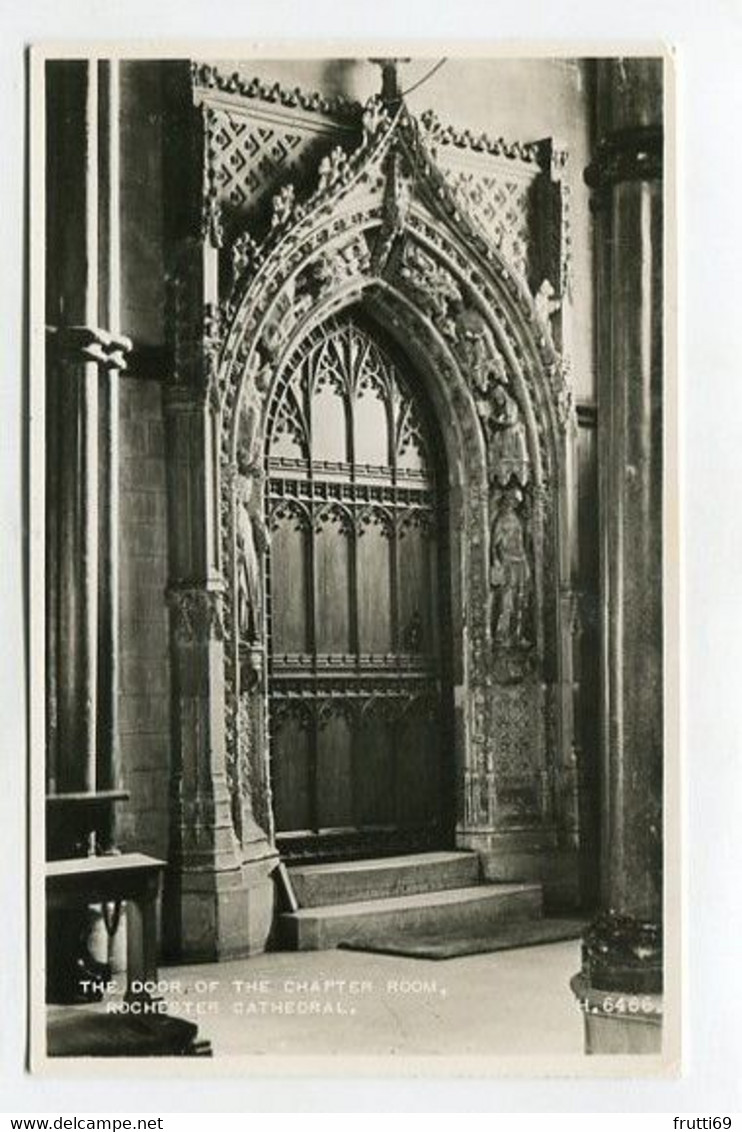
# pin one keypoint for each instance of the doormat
(450, 945)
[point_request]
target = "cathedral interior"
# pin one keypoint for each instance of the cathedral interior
(353, 411)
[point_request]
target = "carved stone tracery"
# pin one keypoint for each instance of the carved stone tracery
(386, 229)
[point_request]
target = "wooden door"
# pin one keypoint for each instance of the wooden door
(358, 695)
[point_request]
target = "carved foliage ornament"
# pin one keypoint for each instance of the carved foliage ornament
(438, 134)
(210, 77)
(337, 172)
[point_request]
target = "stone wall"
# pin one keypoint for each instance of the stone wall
(145, 661)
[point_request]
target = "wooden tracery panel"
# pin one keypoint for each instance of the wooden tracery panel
(358, 696)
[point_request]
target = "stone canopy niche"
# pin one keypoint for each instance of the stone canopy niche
(316, 216)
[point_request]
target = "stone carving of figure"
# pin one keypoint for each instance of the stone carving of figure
(507, 448)
(397, 201)
(546, 302)
(510, 573)
(433, 286)
(251, 532)
(252, 542)
(291, 305)
(251, 415)
(484, 362)
(332, 269)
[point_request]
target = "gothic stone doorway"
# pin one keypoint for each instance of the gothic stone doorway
(358, 632)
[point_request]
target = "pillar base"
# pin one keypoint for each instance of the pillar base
(528, 856)
(617, 1021)
(220, 915)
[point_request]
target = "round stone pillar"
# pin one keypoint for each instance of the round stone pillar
(622, 950)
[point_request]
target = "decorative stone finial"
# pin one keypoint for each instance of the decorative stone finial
(390, 91)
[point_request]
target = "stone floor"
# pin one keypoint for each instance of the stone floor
(326, 1002)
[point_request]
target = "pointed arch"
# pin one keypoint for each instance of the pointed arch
(389, 238)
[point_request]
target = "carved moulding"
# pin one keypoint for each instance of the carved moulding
(207, 76)
(435, 337)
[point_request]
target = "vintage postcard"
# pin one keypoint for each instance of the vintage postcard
(353, 582)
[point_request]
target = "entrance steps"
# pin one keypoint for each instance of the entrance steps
(398, 900)
(382, 877)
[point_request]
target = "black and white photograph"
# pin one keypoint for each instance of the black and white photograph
(353, 458)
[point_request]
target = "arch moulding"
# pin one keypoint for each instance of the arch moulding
(383, 237)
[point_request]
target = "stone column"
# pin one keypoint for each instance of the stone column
(109, 771)
(72, 307)
(82, 361)
(217, 903)
(622, 950)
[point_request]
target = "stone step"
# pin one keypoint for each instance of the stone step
(504, 936)
(348, 882)
(476, 908)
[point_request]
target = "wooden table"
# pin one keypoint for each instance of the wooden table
(134, 877)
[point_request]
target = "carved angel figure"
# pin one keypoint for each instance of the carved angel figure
(252, 539)
(546, 302)
(291, 305)
(508, 447)
(258, 381)
(484, 361)
(333, 268)
(510, 573)
(433, 287)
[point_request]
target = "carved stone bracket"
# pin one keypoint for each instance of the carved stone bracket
(89, 344)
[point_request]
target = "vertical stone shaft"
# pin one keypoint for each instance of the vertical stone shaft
(207, 901)
(72, 303)
(628, 178)
(632, 556)
(622, 949)
(89, 445)
(109, 768)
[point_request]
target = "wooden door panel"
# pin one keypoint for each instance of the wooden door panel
(289, 588)
(292, 776)
(355, 511)
(334, 774)
(416, 595)
(332, 572)
(418, 783)
(374, 773)
(374, 590)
